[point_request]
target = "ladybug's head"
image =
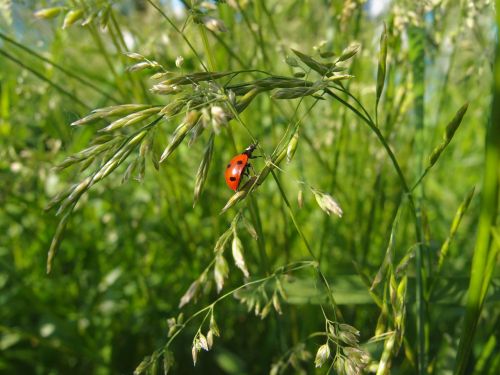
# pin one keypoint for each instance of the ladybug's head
(248, 151)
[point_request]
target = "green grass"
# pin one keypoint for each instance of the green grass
(378, 120)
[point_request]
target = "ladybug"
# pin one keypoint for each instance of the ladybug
(238, 167)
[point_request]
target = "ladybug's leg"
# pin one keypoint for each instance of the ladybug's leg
(245, 171)
(250, 166)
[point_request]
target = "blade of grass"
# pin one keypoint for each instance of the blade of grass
(486, 250)
(45, 79)
(382, 64)
(417, 58)
(69, 73)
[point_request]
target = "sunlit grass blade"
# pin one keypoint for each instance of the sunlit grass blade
(382, 66)
(454, 227)
(451, 128)
(486, 250)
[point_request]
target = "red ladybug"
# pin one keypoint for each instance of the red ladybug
(237, 167)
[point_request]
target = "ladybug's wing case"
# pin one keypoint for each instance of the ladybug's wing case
(235, 169)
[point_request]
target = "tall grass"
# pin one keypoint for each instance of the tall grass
(153, 261)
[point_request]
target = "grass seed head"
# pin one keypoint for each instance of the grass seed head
(48, 13)
(339, 365)
(194, 352)
(292, 146)
(213, 326)
(168, 361)
(190, 293)
(71, 17)
(134, 55)
(221, 271)
(173, 108)
(327, 203)
(214, 24)
(143, 65)
(203, 342)
(322, 355)
(162, 89)
(201, 175)
(235, 198)
(179, 61)
(239, 260)
(210, 339)
(189, 122)
(219, 118)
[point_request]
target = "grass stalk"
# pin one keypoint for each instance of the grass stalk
(322, 277)
(102, 49)
(486, 250)
(45, 79)
(69, 73)
(191, 47)
(417, 57)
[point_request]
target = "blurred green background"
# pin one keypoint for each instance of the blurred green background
(131, 250)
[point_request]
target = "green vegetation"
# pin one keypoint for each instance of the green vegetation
(364, 240)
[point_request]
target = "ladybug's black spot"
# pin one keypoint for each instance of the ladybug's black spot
(232, 178)
(239, 162)
(229, 165)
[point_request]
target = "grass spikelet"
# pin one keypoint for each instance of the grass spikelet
(292, 146)
(72, 17)
(327, 203)
(189, 122)
(202, 173)
(237, 250)
(221, 271)
(451, 128)
(322, 355)
(235, 198)
(443, 252)
(56, 240)
(131, 119)
(48, 13)
(382, 64)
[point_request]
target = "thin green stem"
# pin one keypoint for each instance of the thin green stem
(100, 45)
(417, 58)
(179, 32)
(381, 139)
(417, 223)
(308, 246)
(211, 60)
(254, 212)
(43, 78)
(288, 268)
(256, 38)
(119, 42)
(69, 73)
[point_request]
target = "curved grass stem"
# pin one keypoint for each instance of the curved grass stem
(308, 247)
(417, 223)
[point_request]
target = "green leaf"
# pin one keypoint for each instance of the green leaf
(486, 250)
(389, 254)
(382, 61)
(454, 227)
(451, 128)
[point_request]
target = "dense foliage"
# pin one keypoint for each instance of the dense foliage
(364, 240)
